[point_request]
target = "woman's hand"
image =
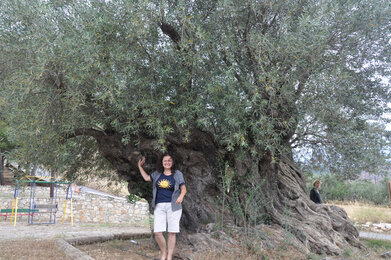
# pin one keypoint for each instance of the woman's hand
(182, 195)
(141, 162)
(179, 200)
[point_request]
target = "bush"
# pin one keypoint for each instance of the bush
(133, 198)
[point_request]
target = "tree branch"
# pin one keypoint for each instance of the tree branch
(304, 78)
(84, 132)
(270, 24)
(170, 31)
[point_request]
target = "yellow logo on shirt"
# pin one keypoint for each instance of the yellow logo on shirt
(165, 184)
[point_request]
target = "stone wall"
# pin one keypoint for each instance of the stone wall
(87, 207)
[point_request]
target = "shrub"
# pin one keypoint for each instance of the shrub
(133, 198)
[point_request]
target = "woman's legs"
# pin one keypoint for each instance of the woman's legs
(164, 218)
(173, 218)
(159, 226)
(161, 241)
(171, 244)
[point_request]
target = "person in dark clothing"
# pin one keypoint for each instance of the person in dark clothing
(314, 194)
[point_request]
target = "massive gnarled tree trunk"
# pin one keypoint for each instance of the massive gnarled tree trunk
(321, 228)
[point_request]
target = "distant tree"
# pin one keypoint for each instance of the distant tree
(220, 84)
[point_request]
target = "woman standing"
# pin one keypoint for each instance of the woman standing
(168, 192)
(314, 194)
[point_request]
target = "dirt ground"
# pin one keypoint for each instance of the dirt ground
(31, 249)
(122, 249)
(25, 241)
(38, 242)
(146, 249)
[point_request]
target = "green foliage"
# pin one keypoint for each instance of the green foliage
(313, 256)
(247, 206)
(347, 252)
(133, 198)
(5, 144)
(336, 189)
(264, 77)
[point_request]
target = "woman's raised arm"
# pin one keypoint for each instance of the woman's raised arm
(143, 173)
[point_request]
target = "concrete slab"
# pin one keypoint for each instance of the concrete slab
(23, 231)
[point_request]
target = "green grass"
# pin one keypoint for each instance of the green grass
(373, 243)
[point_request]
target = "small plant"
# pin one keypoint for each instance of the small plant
(347, 252)
(313, 256)
(216, 235)
(266, 218)
(133, 198)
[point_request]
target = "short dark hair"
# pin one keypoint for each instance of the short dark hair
(159, 164)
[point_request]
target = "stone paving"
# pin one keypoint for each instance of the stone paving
(372, 235)
(23, 231)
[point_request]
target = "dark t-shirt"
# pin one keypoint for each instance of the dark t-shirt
(165, 187)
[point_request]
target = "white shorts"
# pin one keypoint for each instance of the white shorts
(164, 219)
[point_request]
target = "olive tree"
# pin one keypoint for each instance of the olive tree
(230, 88)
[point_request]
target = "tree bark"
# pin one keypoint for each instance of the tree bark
(321, 228)
(282, 196)
(2, 181)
